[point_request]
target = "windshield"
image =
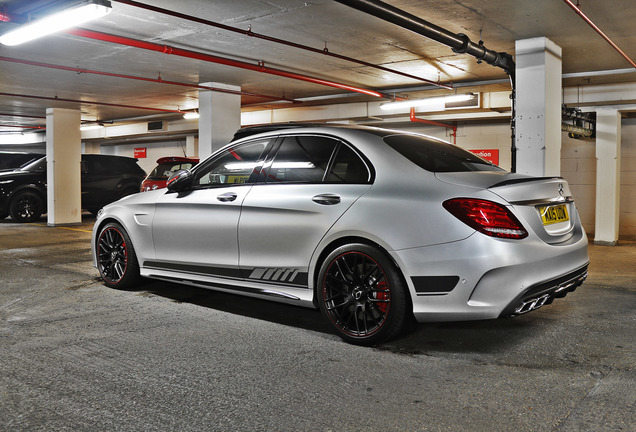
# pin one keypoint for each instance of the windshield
(17, 160)
(437, 156)
(38, 165)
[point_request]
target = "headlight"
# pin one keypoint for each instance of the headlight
(6, 181)
(100, 212)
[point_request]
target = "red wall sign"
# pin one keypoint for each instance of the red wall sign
(140, 152)
(491, 155)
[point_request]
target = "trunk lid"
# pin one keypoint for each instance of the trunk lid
(543, 204)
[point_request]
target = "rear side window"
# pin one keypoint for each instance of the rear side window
(347, 167)
(437, 156)
(301, 159)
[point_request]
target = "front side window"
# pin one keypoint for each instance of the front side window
(301, 159)
(235, 165)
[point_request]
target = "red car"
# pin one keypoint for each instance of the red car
(165, 167)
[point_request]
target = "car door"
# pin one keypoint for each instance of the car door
(195, 231)
(309, 183)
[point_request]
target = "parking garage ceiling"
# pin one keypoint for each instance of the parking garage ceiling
(112, 81)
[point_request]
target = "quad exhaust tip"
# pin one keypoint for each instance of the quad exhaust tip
(561, 290)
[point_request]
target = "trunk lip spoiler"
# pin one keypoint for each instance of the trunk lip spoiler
(523, 180)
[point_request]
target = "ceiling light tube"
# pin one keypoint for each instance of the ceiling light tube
(191, 115)
(56, 22)
(88, 127)
(429, 102)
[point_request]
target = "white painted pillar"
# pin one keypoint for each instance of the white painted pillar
(63, 173)
(219, 117)
(608, 176)
(538, 109)
(192, 146)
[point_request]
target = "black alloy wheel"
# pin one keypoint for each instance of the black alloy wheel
(116, 258)
(26, 206)
(361, 292)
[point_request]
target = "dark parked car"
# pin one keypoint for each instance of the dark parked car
(13, 160)
(104, 179)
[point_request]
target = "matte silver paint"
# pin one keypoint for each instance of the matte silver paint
(282, 230)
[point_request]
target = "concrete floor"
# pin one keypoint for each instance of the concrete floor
(77, 356)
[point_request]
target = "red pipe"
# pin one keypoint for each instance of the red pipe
(250, 33)
(23, 127)
(435, 123)
(90, 102)
(20, 115)
(260, 67)
(599, 31)
(156, 80)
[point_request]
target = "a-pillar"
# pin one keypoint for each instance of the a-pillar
(538, 107)
(219, 117)
(608, 180)
(63, 171)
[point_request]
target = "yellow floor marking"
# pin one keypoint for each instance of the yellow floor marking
(66, 228)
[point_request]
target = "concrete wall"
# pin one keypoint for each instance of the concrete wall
(627, 222)
(578, 162)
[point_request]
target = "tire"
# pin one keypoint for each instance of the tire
(361, 293)
(26, 206)
(116, 258)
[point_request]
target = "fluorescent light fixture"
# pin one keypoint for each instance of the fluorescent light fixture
(430, 102)
(67, 18)
(191, 115)
(91, 127)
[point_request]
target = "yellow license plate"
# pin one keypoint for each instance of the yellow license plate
(554, 214)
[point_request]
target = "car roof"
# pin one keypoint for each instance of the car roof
(286, 127)
(176, 159)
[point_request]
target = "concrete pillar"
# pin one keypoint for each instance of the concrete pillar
(538, 109)
(63, 159)
(192, 146)
(219, 117)
(91, 148)
(608, 176)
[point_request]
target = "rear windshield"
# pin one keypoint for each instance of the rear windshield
(436, 156)
(165, 169)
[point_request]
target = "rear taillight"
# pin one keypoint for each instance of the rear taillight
(487, 217)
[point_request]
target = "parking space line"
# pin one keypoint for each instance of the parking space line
(66, 228)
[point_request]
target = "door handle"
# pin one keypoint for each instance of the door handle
(326, 199)
(227, 197)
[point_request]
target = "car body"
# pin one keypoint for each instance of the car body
(104, 179)
(371, 226)
(13, 160)
(166, 166)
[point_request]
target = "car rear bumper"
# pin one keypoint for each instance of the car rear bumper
(483, 278)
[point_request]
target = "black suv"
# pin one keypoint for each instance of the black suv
(104, 179)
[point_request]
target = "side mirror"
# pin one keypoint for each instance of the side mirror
(180, 180)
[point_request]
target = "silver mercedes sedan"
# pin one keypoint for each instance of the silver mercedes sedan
(371, 226)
